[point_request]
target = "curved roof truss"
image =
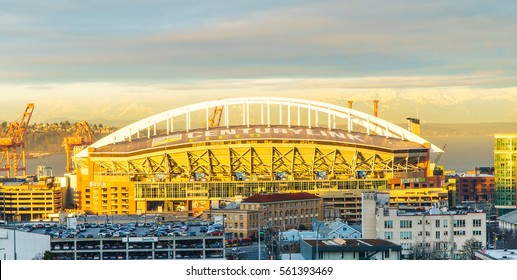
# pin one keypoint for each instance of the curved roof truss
(287, 107)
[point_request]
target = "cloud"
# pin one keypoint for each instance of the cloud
(442, 99)
(98, 42)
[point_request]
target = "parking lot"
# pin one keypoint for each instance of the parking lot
(106, 229)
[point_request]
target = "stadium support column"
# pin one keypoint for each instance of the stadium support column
(91, 165)
(429, 171)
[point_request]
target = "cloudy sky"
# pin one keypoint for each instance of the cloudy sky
(443, 61)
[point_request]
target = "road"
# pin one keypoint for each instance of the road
(249, 252)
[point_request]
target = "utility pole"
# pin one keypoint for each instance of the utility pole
(259, 234)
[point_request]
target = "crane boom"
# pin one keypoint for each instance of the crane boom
(13, 139)
(437, 159)
(215, 118)
(82, 136)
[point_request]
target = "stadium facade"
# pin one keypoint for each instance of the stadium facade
(196, 157)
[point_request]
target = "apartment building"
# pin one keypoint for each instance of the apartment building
(505, 151)
(475, 187)
(427, 230)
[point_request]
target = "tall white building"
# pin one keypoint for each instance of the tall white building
(22, 245)
(426, 231)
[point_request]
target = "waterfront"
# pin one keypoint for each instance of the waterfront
(56, 161)
(464, 153)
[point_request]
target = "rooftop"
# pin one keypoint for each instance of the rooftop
(435, 211)
(506, 254)
(276, 197)
(509, 217)
(240, 133)
(351, 243)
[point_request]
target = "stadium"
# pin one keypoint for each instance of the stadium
(202, 156)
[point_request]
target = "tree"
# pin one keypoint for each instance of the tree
(420, 252)
(47, 255)
(469, 249)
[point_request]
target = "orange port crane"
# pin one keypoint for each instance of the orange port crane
(215, 118)
(12, 141)
(82, 136)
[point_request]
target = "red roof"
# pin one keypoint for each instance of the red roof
(276, 197)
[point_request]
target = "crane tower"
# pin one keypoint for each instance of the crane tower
(82, 136)
(12, 145)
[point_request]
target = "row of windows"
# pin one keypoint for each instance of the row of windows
(408, 235)
(283, 205)
(246, 189)
(438, 223)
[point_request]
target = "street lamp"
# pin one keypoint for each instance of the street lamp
(258, 233)
(317, 241)
(260, 209)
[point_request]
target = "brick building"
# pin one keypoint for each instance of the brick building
(475, 187)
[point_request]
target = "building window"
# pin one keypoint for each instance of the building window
(476, 232)
(476, 222)
(405, 235)
(445, 233)
(387, 254)
(388, 235)
(437, 235)
(437, 223)
(406, 224)
(388, 224)
(459, 223)
(445, 223)
(459, 232)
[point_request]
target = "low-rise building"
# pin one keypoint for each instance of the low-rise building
(236, 221)
(337, 229)
(505, 254)
(349, 249)
(277, 212)
(475, 187)
(282, 211)
(508, 222)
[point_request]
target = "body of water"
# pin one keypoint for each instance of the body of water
(464, 153)
(57, 162)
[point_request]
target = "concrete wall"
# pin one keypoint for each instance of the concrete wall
(28, 245)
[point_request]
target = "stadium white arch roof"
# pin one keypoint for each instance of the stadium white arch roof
(312, 111)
